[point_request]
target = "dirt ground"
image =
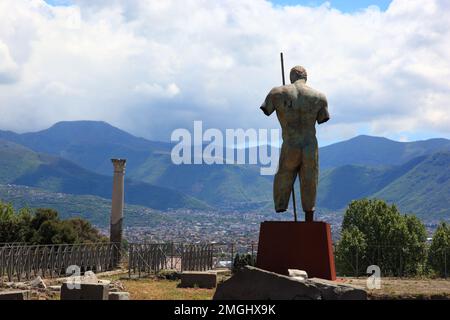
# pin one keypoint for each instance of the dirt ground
(391, 288)
(157, 288)
(395, 288)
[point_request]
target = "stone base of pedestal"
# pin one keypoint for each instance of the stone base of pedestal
(285, 245)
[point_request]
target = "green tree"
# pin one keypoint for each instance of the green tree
(25, 231)
(9, 229)
(439, 254)
(350, 249)
(414, 253)
(381, 236)
(42, 215)
(85, 231)
(242, 260)
(43, 226)
(55, 232)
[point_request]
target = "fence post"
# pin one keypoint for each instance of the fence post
(182, 257)
(171, 255)
(357, 269)
(1, 266)
(445, 263)
(253, 248)
(211, 256)
(130, 259)
(232, 255)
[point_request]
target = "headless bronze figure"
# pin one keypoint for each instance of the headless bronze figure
(298, 108)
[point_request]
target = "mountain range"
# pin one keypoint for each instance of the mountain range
(20, 165)
(74, 158)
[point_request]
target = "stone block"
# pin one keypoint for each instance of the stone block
(190, 279)
(298, 274)
(86, 291)
(38, 283)
(331, 290)
(15, 295)
(256, 284)
(54, 288)
(119, 296)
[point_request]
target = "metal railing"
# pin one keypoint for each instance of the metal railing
(26, 261)
(393, 261)
(151, 258)
(18, 261)
(148, 258)
(197, 257)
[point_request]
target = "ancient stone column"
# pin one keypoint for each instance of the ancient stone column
(117, 201)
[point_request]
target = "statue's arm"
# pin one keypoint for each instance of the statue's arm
(268, 106)
(323, 115)
(265, 109)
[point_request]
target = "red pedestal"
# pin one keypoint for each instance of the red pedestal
(287, 245)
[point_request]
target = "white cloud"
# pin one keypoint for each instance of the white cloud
(156, 90)
(8, 67)
(130, 62)
(60, 89)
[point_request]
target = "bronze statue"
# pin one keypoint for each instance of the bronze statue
(298, 108)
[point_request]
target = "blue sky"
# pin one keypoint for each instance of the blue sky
(342, 5)
(59, 2)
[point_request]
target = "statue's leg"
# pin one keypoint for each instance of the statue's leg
(309, 176)
(284, 178)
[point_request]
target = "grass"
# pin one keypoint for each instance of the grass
(161, 289)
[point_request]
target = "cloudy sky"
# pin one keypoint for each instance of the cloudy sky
(151, 66)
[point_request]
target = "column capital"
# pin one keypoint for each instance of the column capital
(119, 164)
